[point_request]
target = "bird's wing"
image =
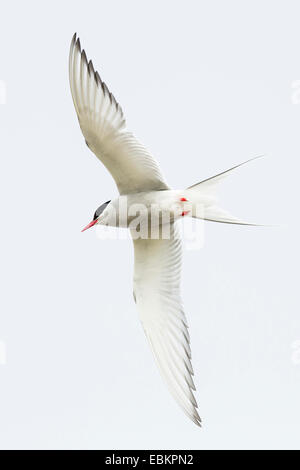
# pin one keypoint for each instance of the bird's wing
(157, 268)
(103, 125)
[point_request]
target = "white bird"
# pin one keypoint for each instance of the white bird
(157, 259)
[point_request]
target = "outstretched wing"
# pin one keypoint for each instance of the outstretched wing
(103, 125)
(157, 268)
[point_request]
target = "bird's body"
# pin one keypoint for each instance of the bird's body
(153, 207)
(150, 209)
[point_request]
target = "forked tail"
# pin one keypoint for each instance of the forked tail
(203, 197)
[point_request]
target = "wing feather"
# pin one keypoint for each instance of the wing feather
(157, 293)
(103, 125)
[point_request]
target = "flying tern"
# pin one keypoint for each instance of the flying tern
(157, 259)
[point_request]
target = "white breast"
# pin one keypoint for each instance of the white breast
(156, 206)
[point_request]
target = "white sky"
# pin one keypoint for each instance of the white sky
(204, 85)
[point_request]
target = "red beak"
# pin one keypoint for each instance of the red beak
(90, 225)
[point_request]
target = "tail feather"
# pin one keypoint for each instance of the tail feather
(204, 199)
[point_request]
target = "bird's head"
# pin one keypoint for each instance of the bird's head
(97, 216)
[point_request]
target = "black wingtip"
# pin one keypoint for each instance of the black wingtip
(84, 57)
(91, 68)
(74, 38)
(78, 45)
(98, 78)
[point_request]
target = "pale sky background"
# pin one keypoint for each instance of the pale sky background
(204, 85)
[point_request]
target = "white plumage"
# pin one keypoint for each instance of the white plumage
(157, 262)
(156, 286)
(104, 128)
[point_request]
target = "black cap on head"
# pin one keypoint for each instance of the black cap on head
(100, 210)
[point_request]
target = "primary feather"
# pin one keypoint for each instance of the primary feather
(157, 272)
(103, 125)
